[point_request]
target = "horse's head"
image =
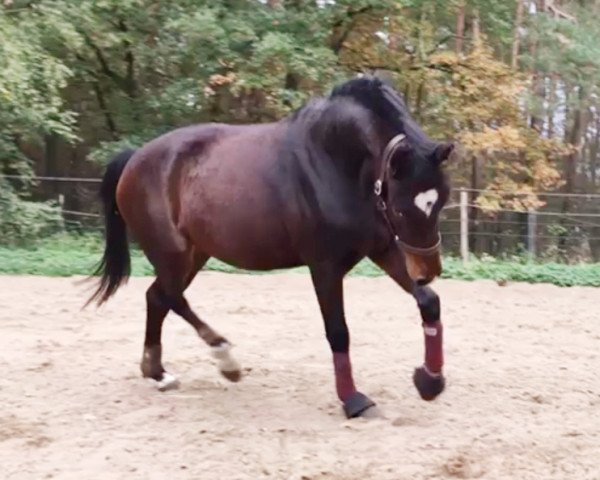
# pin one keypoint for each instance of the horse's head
(409, 178)
(416, 189)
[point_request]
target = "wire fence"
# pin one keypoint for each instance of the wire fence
(566, 228)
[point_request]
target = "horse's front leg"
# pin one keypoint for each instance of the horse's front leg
(328, 283)
(428, 378)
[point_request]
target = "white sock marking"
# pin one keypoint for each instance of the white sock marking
(226, 362)
(425, 201)
(167, 382)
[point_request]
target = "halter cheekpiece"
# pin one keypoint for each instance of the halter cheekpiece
(388, 153)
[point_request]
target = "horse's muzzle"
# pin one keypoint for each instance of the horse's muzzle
(423, 269)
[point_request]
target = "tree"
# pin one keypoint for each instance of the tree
(31, 87)
(31, 107)
(514, 82)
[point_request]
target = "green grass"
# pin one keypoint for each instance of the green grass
(67, 255)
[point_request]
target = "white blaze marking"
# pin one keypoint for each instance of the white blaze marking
(226, 362)
(425, 201)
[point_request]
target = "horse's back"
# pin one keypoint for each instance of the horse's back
(212, 185)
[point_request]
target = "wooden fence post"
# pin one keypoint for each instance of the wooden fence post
(531, 233)
(464, 225)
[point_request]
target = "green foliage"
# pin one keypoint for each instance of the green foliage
(31, 106)
(136, 68)
(24, 221)
(514, 270)
(105, 74)
(66, 255)
(31, 80)
(31, 85)
(141, 67)
(522, 271)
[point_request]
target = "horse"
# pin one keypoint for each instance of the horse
(346, 177)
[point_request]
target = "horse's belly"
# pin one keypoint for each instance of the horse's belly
(255, 247)
(260, 264)
(253, 243)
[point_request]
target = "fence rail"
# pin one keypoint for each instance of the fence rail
(53, 179)
(572, 235)
(467, 228)
(537, 194)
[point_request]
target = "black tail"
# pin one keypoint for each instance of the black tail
(115, 265)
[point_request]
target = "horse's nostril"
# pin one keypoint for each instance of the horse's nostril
(421, 282)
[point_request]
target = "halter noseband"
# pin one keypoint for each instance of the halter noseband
(388, 153)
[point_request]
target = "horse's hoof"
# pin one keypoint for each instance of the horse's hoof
(429, 386)
(232, 376)
(372, 413)
(166, 382)
(358, 405)
(228, 366)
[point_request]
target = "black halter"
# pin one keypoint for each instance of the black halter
(388, 153)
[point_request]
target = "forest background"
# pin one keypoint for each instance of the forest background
(515, 83)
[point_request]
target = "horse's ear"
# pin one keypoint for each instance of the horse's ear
(442, 152)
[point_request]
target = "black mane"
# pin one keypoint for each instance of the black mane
(348, 125)
(369, 92)
(386, 103)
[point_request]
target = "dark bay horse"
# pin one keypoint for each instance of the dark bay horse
(345, 177)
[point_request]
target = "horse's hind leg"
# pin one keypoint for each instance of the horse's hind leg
(156, 311)
(157, 307)
(174, 273)
(220, 346)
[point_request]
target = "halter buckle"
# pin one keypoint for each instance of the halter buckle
(378, 187)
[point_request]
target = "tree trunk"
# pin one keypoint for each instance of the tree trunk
(51, 155)
(460, 28)
(477, 180)
(542, 6)
(539, 91)
(573, 159)
(103, 107)
(568, 92)
(407, 92)
(476, 27)
(551, 105)
(594, 152)
(575, 139)
(299, 4)
(517, 35)
(419, 100)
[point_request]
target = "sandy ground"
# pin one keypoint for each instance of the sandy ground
(522, 401)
